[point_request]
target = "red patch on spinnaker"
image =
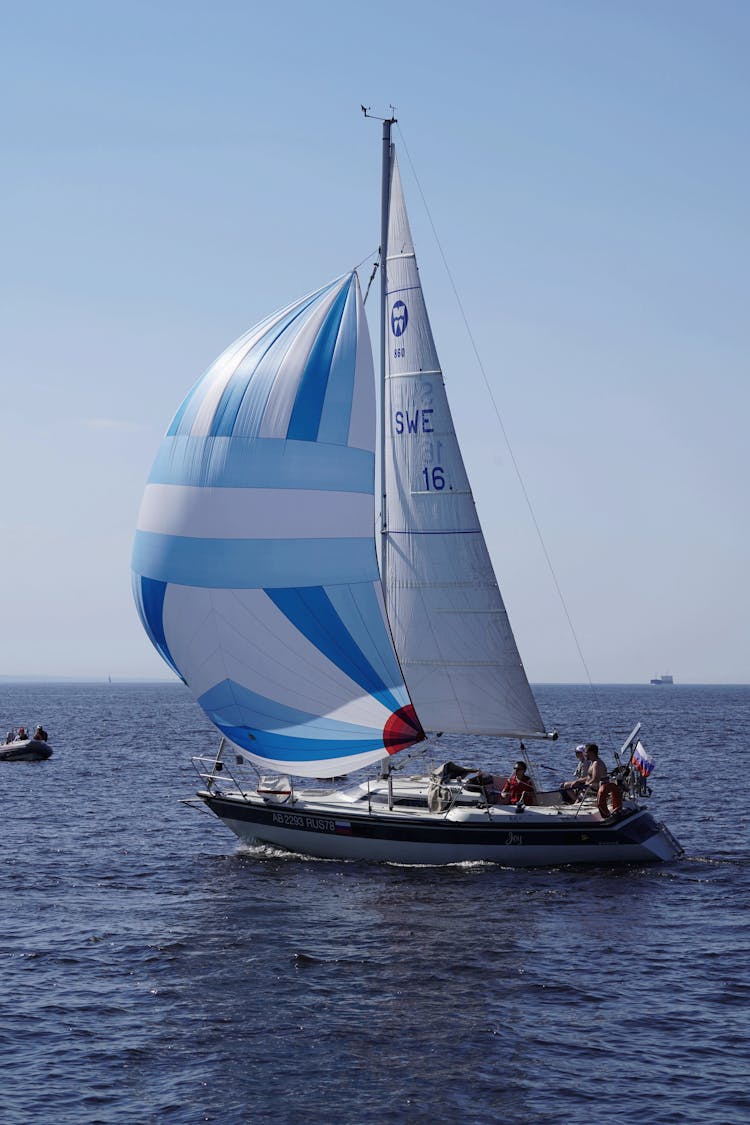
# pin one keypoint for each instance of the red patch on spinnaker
(402, 729)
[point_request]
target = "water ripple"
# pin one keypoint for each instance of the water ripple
(155, 972)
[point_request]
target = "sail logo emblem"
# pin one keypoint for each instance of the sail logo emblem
(399, 318)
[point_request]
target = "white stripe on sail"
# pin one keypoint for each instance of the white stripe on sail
(254, 513)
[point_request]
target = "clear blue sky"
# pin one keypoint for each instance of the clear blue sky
(174, 171)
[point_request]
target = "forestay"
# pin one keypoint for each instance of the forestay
(254, 566)
(452, 635)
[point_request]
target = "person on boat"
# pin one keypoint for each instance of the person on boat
(580, 770)
(597, 771)
(596, 774)
(40, 734)
(22, 736)
(519, 786)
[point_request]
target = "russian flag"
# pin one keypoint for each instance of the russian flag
(343, 827)
(642, 760)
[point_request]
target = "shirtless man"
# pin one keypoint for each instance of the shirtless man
(596, 773)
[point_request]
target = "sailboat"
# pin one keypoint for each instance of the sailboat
(257, 578)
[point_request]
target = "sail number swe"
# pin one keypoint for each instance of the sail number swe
(418, 422)
(413, 422)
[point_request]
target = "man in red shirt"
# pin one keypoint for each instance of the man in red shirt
(519, 786)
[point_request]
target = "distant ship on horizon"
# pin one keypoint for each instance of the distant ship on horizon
(663, 680)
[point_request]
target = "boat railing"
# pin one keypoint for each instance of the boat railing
(208, 768)
(633, 784)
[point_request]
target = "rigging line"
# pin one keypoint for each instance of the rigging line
(375, 265)
(487, 384)
(368, 255)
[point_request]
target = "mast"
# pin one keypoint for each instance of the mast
(385, 194)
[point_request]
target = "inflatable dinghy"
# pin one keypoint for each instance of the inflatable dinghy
(30, 750)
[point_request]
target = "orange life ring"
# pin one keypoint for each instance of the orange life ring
(609, 789)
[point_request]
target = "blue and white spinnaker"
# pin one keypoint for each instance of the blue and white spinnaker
(254, 565)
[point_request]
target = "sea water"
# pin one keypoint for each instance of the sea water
(155, 971)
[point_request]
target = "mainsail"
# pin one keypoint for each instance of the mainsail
(450, 627)
(254, 566)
